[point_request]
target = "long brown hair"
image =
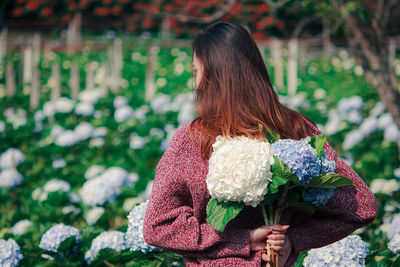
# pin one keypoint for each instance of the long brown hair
(235, 94)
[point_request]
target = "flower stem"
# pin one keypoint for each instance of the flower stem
(264, 213)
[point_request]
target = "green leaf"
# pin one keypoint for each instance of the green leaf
(317, 142)
(220, 213)
(66, 244)
(107, 254)
(272, 136)
(396, 263)
(292, 199)
(329, 180)
(303, 206)
(300, 259)
(281, 175)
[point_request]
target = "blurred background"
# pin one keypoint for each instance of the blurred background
(91, 92)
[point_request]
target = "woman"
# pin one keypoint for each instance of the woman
(234, 94)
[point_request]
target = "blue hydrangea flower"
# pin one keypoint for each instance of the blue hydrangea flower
(394, 227)
(394, 244)
(328, 166)
(134, 236)
(10, 178)
(112, 239)
(300, 156)
(350, 251)
(10, 253)
(98, 191)
(318, 196)
(56, 235)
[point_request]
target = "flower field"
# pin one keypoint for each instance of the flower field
(73, 170)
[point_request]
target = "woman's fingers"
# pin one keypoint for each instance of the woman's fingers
(280, 228)
(275, 242)
(276, 236)
(265, 257)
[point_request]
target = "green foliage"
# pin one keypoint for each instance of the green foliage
(281, 175)
(317, 142)
(329, 180)
(219, 214)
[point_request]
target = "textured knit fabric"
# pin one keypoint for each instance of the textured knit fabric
(175, 219)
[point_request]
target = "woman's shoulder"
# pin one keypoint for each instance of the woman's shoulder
(185, 136)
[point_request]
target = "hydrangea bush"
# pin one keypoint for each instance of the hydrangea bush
(350, 251)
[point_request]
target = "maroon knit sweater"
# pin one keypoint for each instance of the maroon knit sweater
(175, 219)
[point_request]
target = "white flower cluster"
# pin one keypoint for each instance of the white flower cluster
(52, 185)
(105, 187)
(393, 232)
(93, 215)
(52, 239)
(20, 227)
(134, 236)
(15, 117)
(113, 239)
(239, 169)
(350, 251)
(384, 186)
(9, 160)
(10, 253)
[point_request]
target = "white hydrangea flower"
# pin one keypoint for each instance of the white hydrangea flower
(91, 95)
(394, 225)
(120, 101)
(56, 131)
(384, 186)
(83, 131)
(99, 132)
(378, 109)
(137, 142)
(67, 138)
(10, 253)
(134, 235)
(350, 251)
(160, 103)
(385, 120)
(239, 169)
(113, 239)
(84, 109)
(59, 163)
(105, 187)
(123, 113)
(56, 235)
(369, 125)
(11, 158)
(2, 126)
(64, 105)
(116, 176)
(394, 244)
(392, 133)
(352, 138)
(93, 171)
(96, 142)
(20, 227)
(93, 215)
(10, 178)
(52, 186)
(141, 112)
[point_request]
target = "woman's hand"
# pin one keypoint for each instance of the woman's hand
(280, 243)
(259, 235)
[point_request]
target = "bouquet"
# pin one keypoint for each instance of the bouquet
(273, 172)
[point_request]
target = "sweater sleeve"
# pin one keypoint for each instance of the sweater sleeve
(170, 222)
(351, 207)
